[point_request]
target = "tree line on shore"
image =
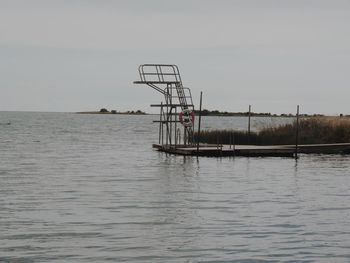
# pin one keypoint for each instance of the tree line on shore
(206, 112)
(105, 111)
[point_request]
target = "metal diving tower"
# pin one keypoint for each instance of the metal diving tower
(176, 121)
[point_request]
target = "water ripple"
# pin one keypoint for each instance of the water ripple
(89, 188)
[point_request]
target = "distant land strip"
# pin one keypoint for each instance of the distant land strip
(105, 111)
(206, 112)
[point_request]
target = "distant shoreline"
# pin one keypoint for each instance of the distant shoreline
(105, 111)
(252, 114)
(112, 113)
(214, 113)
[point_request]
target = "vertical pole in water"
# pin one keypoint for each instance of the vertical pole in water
(170, 116)
(175, 126)
(230, 140)
(199, 122)
(160, 121)
(168, 102)
(249, 114)
(167, 126)
(170, 124)
(234, 144)
(297, 134)
(162, 125)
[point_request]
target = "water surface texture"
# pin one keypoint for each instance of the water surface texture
(89, 188)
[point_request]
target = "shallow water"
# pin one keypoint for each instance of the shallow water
(89, 188)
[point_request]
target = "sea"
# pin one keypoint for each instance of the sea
(90, 188)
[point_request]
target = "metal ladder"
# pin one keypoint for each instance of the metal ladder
(181, 96)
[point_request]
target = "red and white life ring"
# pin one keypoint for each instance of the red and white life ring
(187, 118)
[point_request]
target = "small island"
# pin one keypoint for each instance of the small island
(105, 111)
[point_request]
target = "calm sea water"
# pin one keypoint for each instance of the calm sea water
(89, 188)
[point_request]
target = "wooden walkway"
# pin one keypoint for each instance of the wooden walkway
(254, 150)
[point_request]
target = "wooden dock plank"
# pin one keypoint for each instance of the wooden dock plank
(254, 150)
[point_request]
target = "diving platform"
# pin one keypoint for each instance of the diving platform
(176, 122)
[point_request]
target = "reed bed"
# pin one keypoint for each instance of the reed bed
(313, 130)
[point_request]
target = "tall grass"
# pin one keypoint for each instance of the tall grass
(311, 130)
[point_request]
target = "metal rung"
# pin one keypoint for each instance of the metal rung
(156, 82)
(168, 105)
(166, 121)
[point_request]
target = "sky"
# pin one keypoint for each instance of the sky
(82, 55)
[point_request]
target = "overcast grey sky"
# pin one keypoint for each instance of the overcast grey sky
(75, 55)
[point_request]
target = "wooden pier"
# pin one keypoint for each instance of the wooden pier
(211, 150)
(177, 115)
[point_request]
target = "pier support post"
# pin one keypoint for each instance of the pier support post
(297, 133)
(249, 115)
(160, 122)
(199, 122)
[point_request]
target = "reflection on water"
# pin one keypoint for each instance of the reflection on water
(89, 188)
